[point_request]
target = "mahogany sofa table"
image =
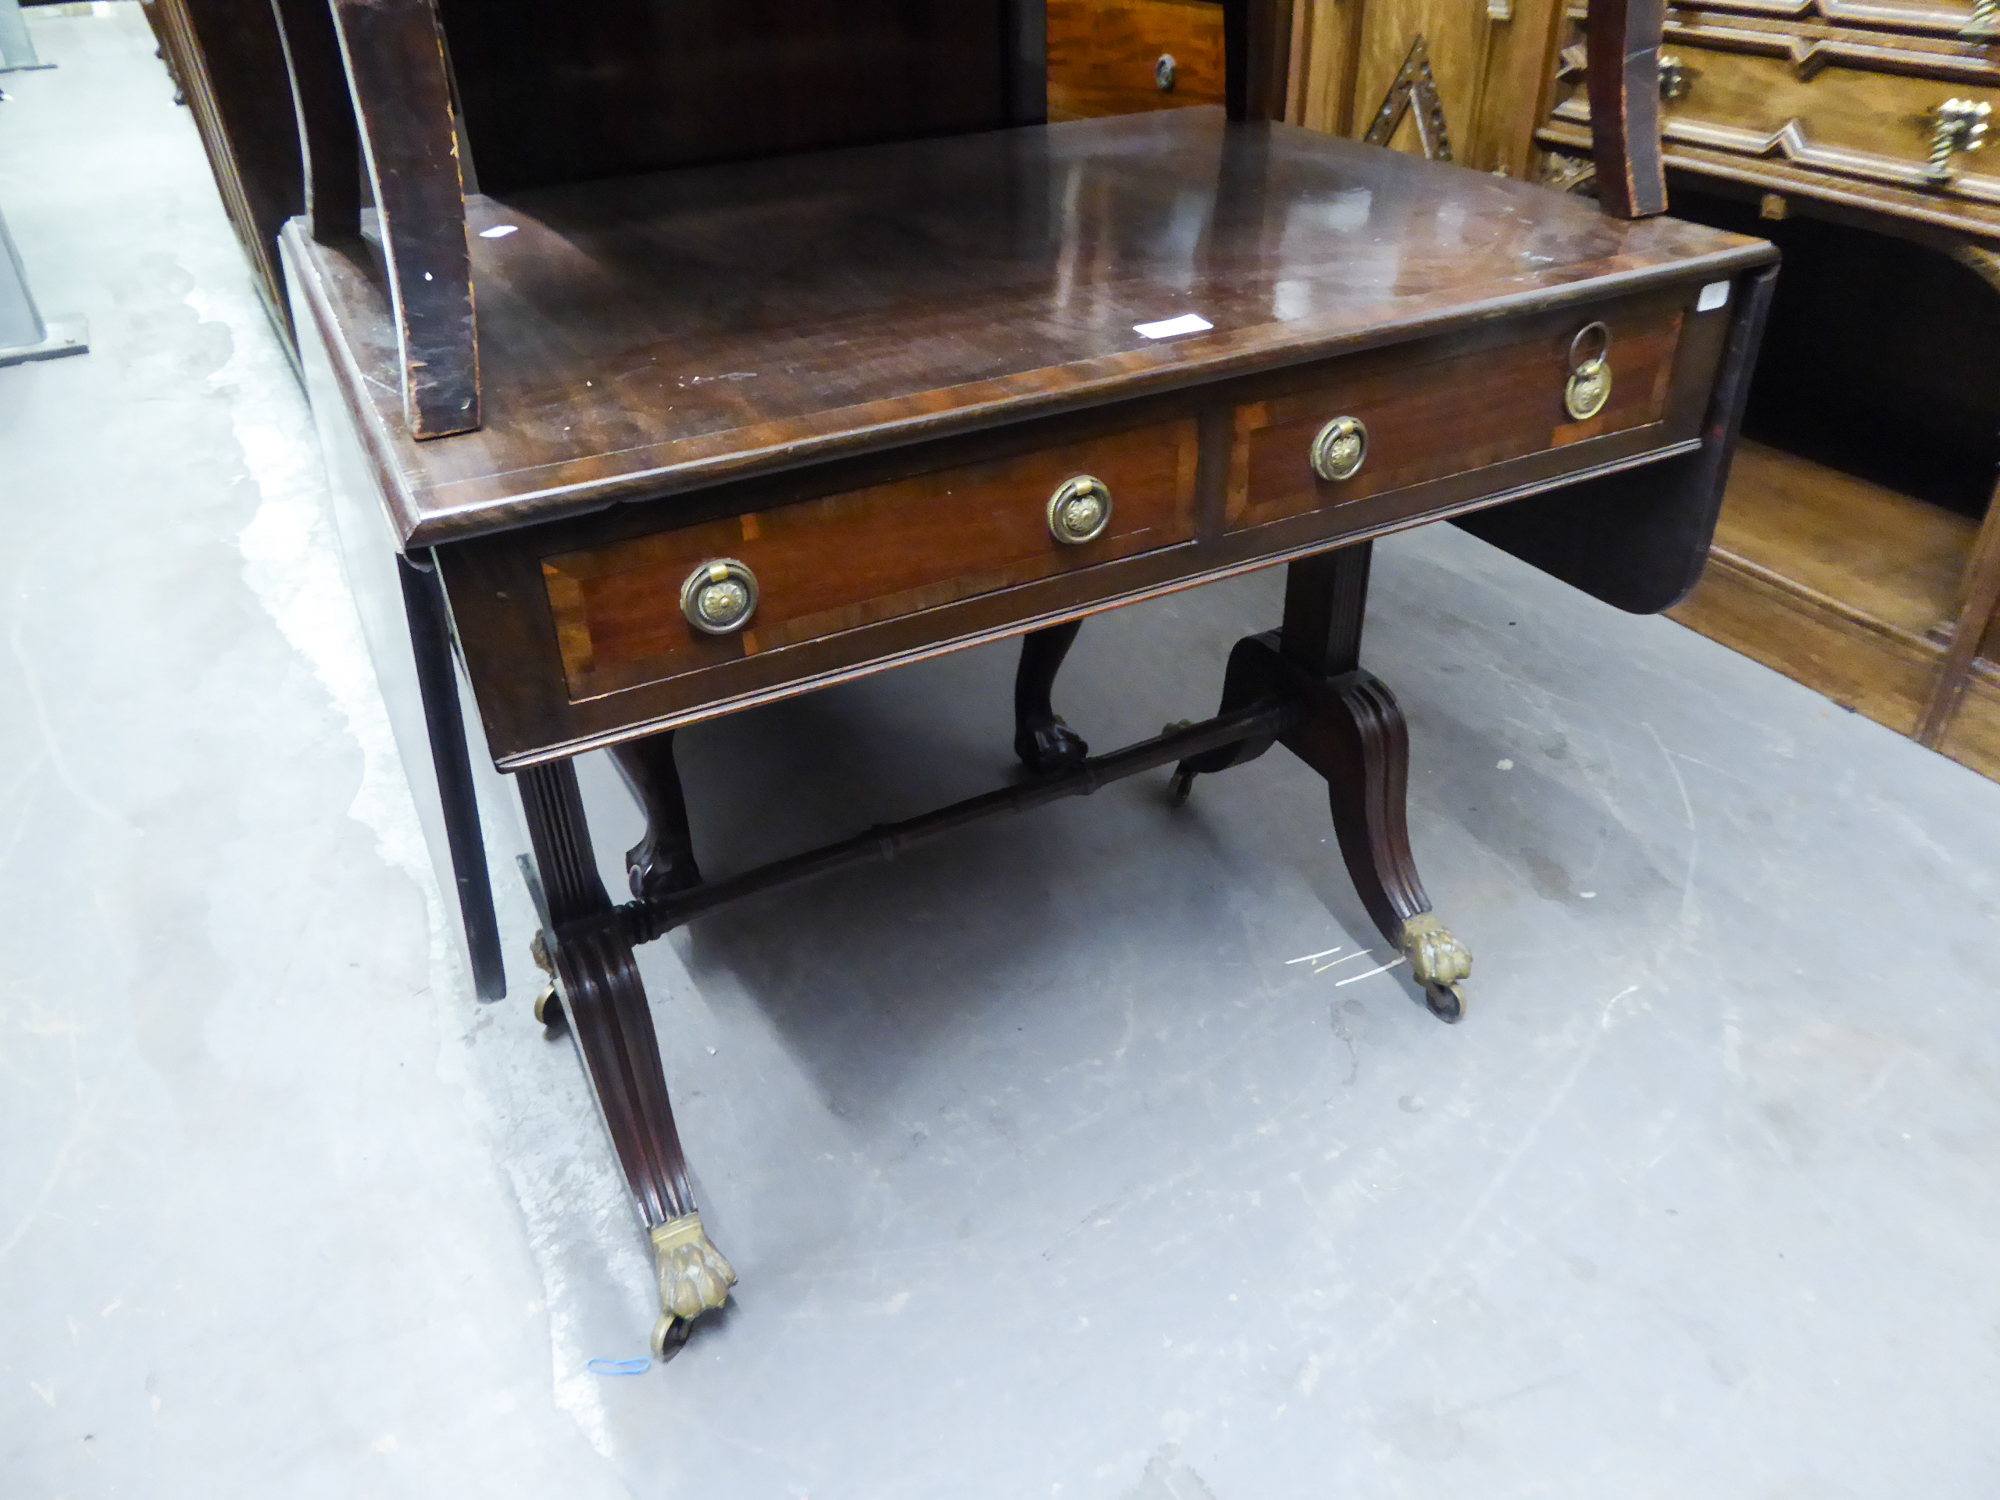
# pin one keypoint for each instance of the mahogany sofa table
(750, 429)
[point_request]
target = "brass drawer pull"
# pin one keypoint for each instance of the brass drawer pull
(1677, 78)
(1079, 510)
(1340, 447)
(1165, 71)
(1956, 125)
(1589, 372)
(719, 597)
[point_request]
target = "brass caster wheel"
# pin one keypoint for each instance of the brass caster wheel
(1447, 1002)
(549, 1011)
(1180, 788)
(670, 1336)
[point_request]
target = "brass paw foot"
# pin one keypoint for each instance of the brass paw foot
(1439, 961)
(670, 1336)
(693, 1279)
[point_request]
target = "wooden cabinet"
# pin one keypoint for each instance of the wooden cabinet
(1873, 111)
(1488, 63)
(1858, 550)
(228, 64)
(1116, 57)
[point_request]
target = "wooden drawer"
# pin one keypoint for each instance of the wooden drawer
(1881, 20)
(1448, 415)
(853, 559)
(1104, 55)
(1839, 101)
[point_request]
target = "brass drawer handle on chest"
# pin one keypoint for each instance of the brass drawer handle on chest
(1166, 71)
(1589, 372)
(1079, 510)
(1339, 448)
(1956, 125)
(719, 597)
(1677, 78)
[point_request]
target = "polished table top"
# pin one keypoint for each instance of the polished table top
(649, 335)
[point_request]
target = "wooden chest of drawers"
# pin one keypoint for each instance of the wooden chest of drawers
(1875, 117)
(1880, 107)
(1113, 57)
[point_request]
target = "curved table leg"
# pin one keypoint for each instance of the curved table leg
(1041, 739)
(1354, 735)
(1358, 740)
(662, 862)
(604, 1004)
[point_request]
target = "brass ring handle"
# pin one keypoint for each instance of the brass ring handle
(1592, 342)
(1165, 72)
(719, 597)
(1340, 448)
(1079, 510)
(1589, 385)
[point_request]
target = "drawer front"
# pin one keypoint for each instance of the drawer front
(1846, 104)
(1104, 55)
(1430, 419)
(1879, 20)
(858, 558)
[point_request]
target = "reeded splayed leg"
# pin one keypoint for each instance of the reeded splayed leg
(1041, 739)
(606, 1009)
(1355, 737)
(662, 862)
(1358, 740)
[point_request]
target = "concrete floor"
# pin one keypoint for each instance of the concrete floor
(1047, 1172)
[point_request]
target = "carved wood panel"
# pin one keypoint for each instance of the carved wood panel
(1491, 63)
(1856, 106)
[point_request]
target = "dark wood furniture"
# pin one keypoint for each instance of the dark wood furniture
(1117, 57)
(1859, 549)
(227, 60)
(731, 418)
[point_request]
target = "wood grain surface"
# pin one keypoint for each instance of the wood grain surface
(1888, 557)
(1625, 105)
(1884, 675)
(853, 559)
(556, 92)
(1973, 736)
(1102, 55)
(650, 338)
(229, 59)
(401, 87)
(1830, 102)
(901, 593)
(1430, 419)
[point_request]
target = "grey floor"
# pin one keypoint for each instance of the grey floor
(1048, 1170)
